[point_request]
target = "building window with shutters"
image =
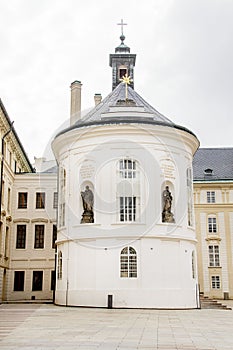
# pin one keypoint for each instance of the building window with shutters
(128, 262)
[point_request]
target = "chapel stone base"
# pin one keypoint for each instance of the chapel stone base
(153, 299)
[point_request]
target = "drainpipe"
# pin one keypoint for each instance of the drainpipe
(2, 162)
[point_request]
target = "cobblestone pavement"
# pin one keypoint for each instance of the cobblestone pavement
(41, 326)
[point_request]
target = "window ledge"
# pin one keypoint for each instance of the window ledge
(214, 267)
(87, 224)
(213, 238)
(127, 223)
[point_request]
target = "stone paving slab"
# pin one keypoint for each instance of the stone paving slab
(34, 326)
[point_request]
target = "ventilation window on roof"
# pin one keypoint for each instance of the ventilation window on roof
(208, 171)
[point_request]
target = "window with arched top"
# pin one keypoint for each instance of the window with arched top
(128, 262)
(59, 265)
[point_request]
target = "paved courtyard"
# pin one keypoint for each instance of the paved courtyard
(41, 326)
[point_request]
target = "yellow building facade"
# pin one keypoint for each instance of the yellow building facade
(14, 161)
(213, 202)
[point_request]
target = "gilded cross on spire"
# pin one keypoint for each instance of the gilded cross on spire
(126, 80)
(122, 24)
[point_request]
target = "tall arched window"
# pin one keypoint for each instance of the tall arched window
(59, 265)
(128, 261)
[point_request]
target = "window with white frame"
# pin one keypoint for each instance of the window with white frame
(212, 225)
(128, 262)
(127, 209)
(59, 265)
(210, 196)
(128, 190)
(215, 282)
(214, 256)
(127, 168)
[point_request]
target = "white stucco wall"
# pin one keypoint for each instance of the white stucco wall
(91, 251)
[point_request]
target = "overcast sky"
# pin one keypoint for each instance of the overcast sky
(184, 65)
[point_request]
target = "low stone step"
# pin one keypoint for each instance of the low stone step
(207, 303)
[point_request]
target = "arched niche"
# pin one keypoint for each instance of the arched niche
(167, 202)
(87, 202)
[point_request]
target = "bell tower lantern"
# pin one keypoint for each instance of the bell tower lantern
(122, 61)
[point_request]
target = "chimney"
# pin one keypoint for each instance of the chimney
(75, 102)
(97, 98)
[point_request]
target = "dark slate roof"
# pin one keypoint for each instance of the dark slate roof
(119, 94)
(213, 164)
(94, 117)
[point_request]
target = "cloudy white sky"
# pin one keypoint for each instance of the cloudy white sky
(184, 65)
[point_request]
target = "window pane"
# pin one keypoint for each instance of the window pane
(54, 236)
(59, 265)
(127, 168)
(52, 286)
(22, 200)
(40, 200)
(37, 280)
(128, 261)
(21, 237)
(127, 208)
(55, 200)
(19, 281)
(39, 236)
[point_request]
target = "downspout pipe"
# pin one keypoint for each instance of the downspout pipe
(2, 162)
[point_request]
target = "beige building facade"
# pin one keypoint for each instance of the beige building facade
(213, 202)
(14, 161)
(31, 274)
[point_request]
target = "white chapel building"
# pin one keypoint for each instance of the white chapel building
(126, 230)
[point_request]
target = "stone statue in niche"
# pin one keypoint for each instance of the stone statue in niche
(167, 215)
(88, 202)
